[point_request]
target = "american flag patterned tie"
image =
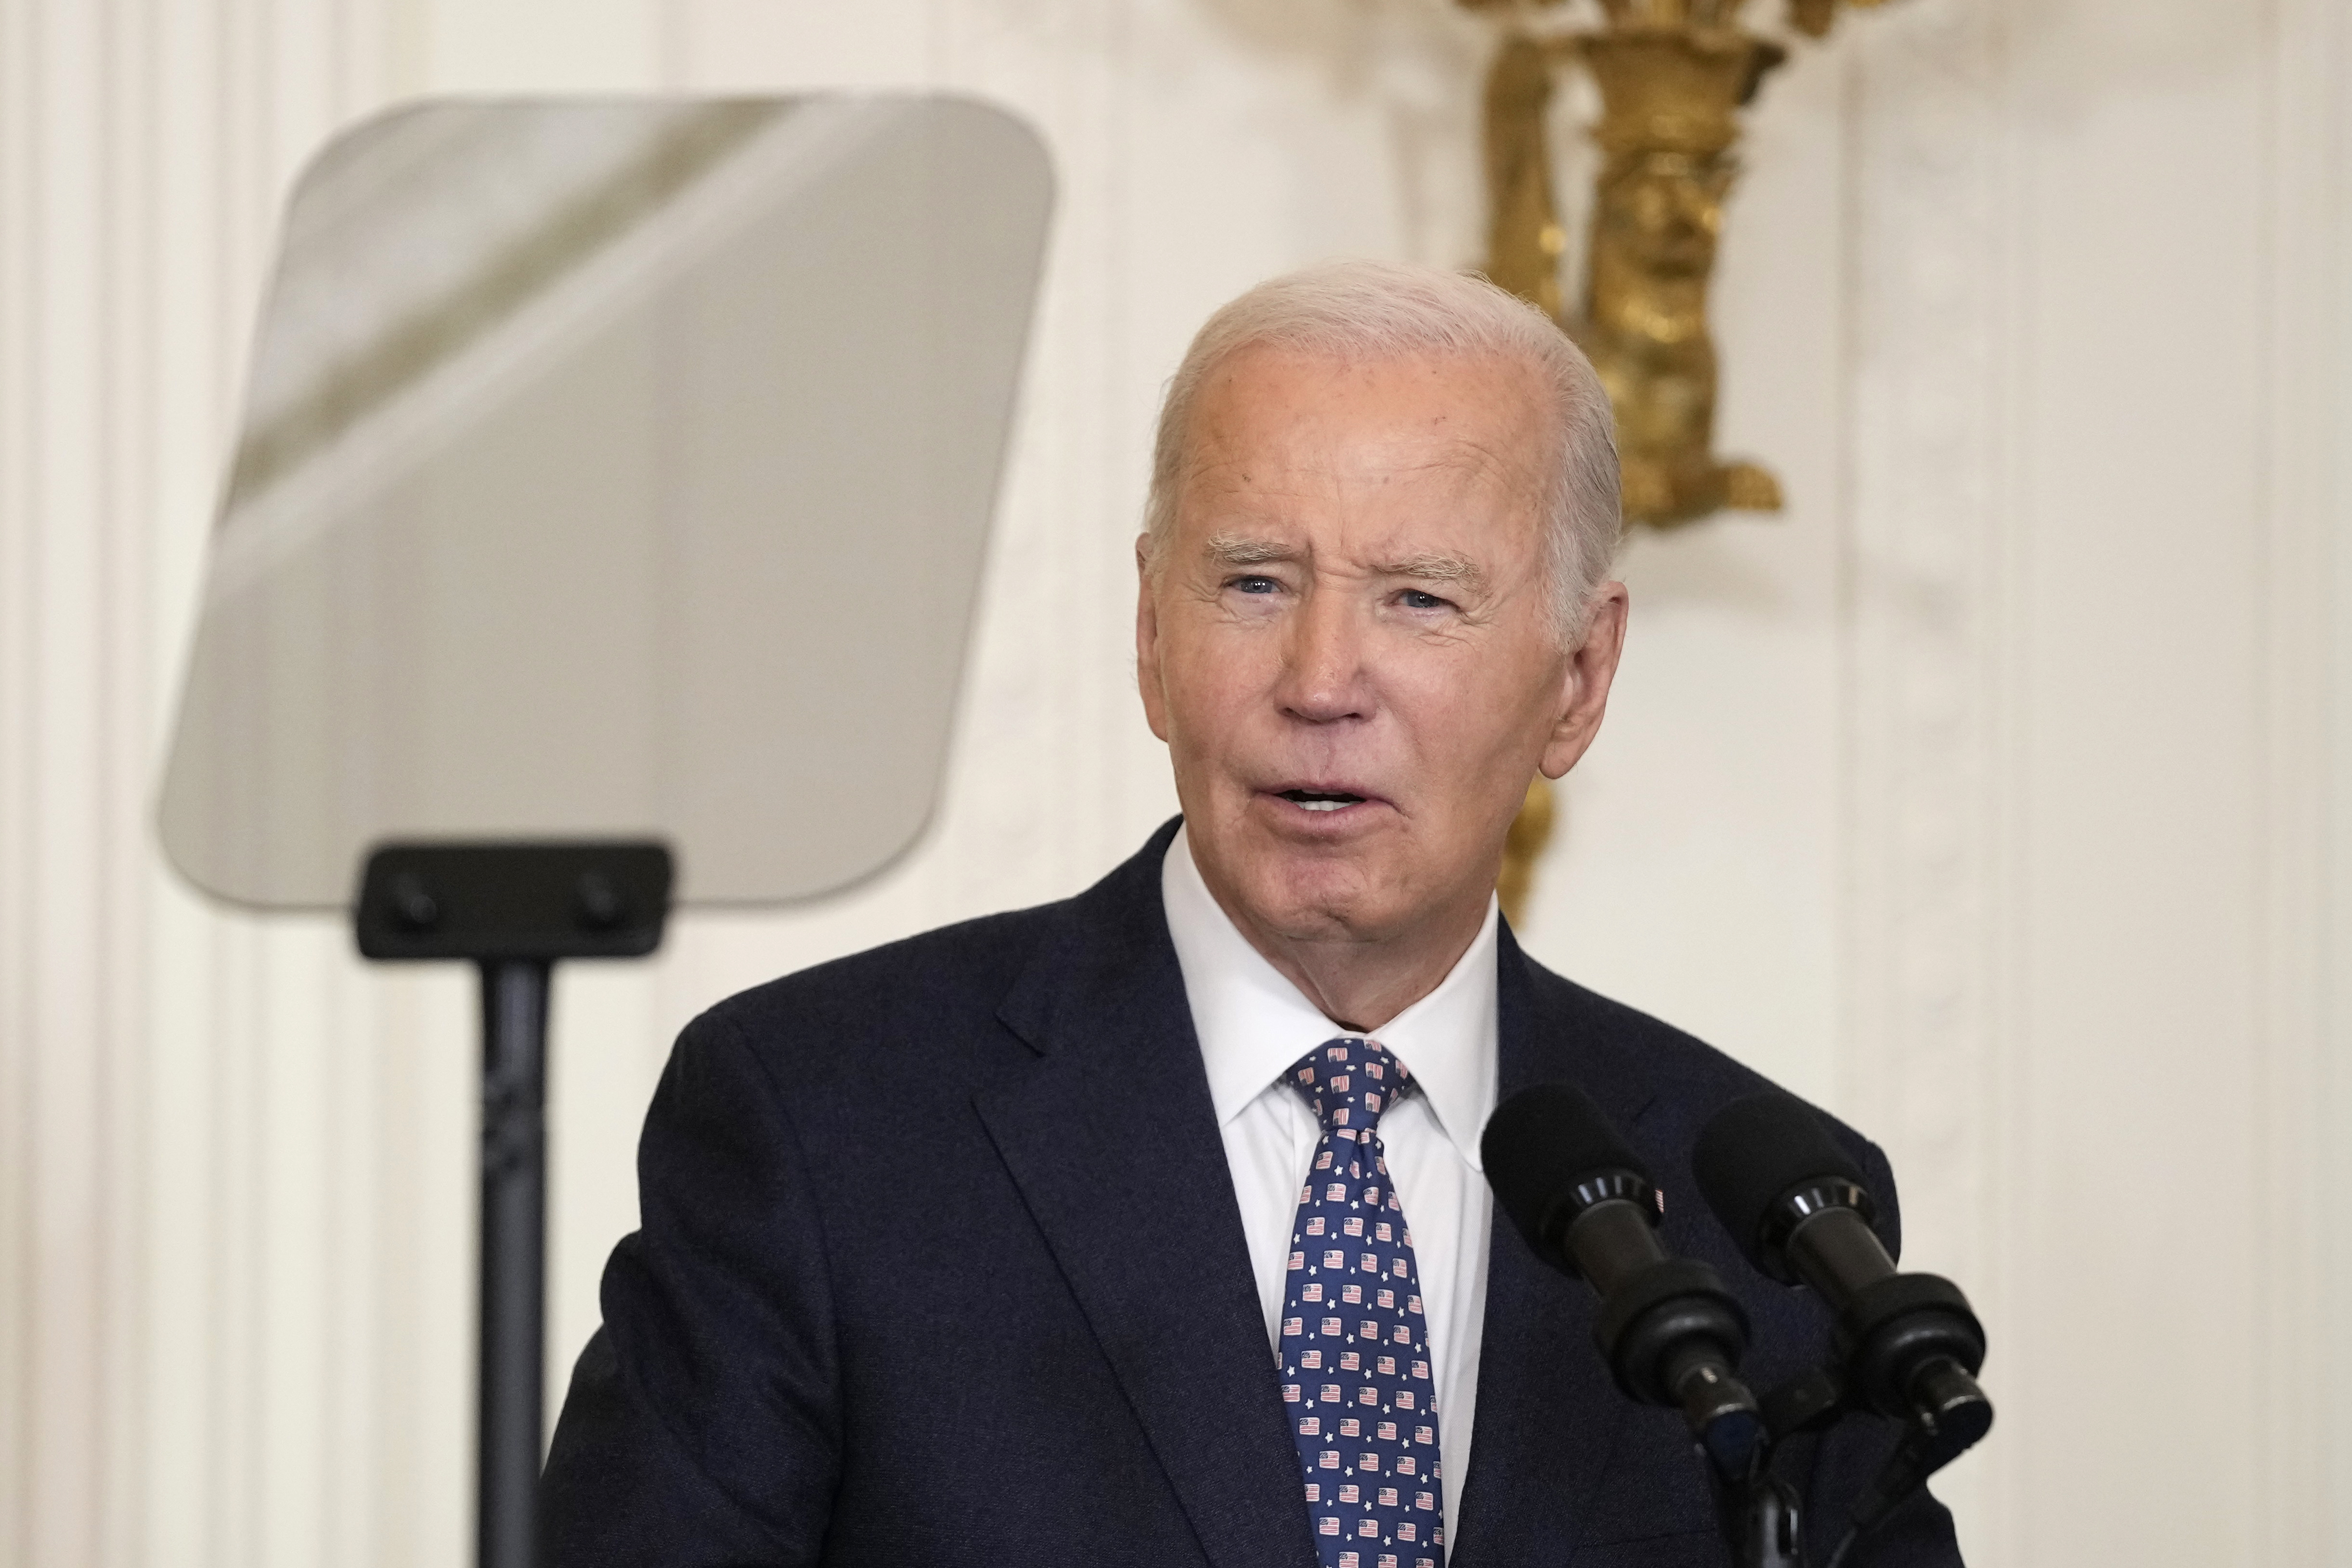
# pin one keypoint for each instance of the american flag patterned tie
(1355, 1342)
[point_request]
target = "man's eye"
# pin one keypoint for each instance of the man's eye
(1257, 584)
(1414, 599)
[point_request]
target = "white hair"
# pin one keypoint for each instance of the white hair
(1385, 309)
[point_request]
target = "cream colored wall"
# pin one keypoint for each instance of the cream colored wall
(1996, 794)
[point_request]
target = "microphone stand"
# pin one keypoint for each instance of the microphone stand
(1759, 1513)
(1759, 1517)
(1756, 1511)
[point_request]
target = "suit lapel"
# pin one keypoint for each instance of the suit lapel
(1548, 1416)
(1114, 1145)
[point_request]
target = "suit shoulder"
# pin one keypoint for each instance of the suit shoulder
(942, 986)
(1646, 1047)
(1690, 1079)
(1676, 1064)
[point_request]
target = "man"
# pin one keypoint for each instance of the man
(1147, 1227)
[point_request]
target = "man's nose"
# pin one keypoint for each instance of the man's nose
(1324, 672)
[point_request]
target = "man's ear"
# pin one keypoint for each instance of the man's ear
(1584, 687)
(1147, 641)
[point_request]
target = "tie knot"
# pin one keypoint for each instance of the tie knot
(1348, 1082)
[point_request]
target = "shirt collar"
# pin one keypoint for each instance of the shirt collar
(1253, 1024)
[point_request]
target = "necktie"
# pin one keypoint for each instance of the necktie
(1355, 1344)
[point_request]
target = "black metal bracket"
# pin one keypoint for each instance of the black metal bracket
(492, 900)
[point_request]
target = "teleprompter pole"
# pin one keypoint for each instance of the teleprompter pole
(512, 909)
(514, 1258)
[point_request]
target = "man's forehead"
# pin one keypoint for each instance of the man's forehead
(1368, 504)
(1276, 419)
(1241, 512)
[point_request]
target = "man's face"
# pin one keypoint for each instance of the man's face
(1348, 644)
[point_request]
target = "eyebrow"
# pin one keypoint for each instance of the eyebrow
(1230, 550)
(1430, 566)
(1435, 567)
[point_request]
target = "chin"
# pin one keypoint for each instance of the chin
(1308, 898)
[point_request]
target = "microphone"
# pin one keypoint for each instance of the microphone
(1669, 1332)
(1908, 1343)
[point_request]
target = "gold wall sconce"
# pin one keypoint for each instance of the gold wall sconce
(1673, 76)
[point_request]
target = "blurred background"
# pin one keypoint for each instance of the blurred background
(1997, 793)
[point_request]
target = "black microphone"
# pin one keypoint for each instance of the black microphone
(1669, 1332)
(1908, 1343)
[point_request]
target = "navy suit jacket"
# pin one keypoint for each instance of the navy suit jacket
(940, 1264)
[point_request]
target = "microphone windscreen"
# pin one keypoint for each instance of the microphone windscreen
(1756, 1149)
(1542, 1142)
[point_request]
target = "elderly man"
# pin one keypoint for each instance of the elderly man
(1147, 1227)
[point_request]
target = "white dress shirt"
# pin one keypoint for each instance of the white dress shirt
(1253, 1025)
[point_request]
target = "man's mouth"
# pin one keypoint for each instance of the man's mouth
(1320, 800)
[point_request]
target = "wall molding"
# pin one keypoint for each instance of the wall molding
(1923, 664)
(2303, 523)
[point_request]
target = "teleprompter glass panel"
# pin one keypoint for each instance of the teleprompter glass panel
(612, 469)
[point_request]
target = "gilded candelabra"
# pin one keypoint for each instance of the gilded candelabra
(1673, 76)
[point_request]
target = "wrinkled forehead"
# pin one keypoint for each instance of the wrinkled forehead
(1273, 425)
